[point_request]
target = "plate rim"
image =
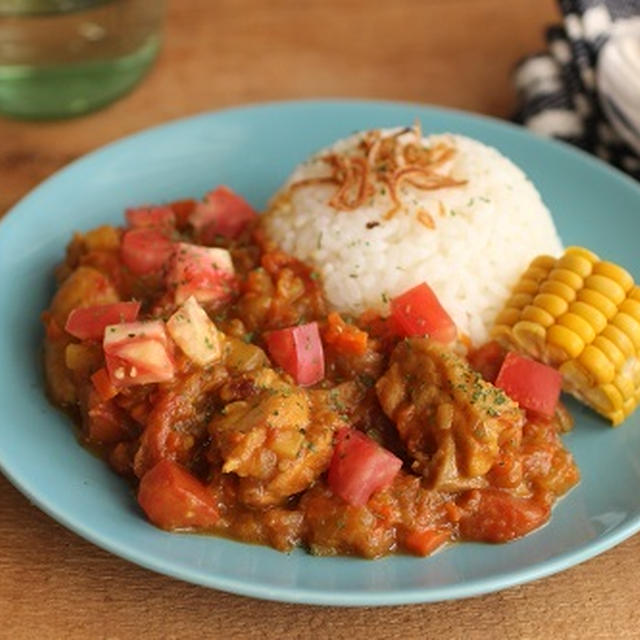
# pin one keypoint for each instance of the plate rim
(302, 595)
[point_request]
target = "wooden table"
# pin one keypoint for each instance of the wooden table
(459, 53)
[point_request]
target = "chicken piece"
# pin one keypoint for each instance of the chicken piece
(176, 425)
(405, 514)
(85, 287)
(335, 527)
(452, 422)
(278, 440)
(60, 385)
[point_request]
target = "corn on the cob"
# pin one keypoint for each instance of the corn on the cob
(580, 315)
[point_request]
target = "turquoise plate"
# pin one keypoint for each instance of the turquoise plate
(253, 149)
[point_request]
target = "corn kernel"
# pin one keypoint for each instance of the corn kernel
(519, 300)
(616, 273)
(610, 351)
(585, 253)
(631, 327)
(576, 264)
(543, 262)
(526, 286)
(607, 398)
(531, 337)
(565, 340)
(606, 286)
(552, 304)
(616, 417)
(508, 316)
(578, 325)
(594, 317)
(632, 307)
(600, 368)
(631, 368)
(559, 289)
(504, 335)
(536, 314)
(575, 376)
(625, 385)
(536, 273)
(634, 293)
(567, 277)
(629, 406)
(598, 301)
(620, 339)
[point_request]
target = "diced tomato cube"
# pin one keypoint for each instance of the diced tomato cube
(223, 213)
(150, 217)
(345, 338)
(103, 384)
(105, 423)
(298, 350)
(422, 542)
(88, 323)
(146, 250)
(137, 353)
(418, 312)
(205, 273)
(492, 515)
(487, 360)
(172, 498)
(183, 210)
(360, 467)
(533, 385)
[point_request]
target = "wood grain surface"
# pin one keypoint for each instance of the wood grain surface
(218, 53)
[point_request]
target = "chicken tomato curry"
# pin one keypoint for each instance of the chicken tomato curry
(204, 366)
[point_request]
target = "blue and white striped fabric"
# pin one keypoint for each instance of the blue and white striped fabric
(586, 88)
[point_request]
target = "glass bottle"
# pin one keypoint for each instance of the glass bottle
(61, 58)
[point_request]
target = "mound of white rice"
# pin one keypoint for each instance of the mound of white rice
(484, 234)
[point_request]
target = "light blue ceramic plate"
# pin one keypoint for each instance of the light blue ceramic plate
(253, 149)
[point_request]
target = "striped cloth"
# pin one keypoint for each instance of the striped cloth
(557, 89)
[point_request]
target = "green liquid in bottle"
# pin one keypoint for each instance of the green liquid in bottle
(60, 63)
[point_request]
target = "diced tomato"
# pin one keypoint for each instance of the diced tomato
(223, 213)
(121, 457)
(88, 323)
(165, 436)
(298, 350)
(492, 515)
(203, 272)
(533, 385)
(345, 338)
(146, 250)
(381, 329)
(51, 327)
(487, 360)
(105, 422)
(423, 542)
(360, 467)
(150, 217)
(172, 498)
(137, 353)
(183, 210)
(418, 312)
(103, 384)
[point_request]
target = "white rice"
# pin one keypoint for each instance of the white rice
(486, 233)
